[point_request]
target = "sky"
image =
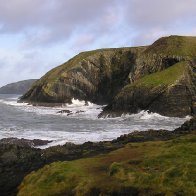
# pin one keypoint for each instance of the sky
(38, 35)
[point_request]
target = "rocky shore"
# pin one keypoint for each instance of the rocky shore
(18, 157)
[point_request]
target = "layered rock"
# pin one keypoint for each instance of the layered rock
(170, 92)
(163, 81)
(160, 78)
(95, 76)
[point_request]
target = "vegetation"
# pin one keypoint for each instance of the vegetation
(165, 77)
(174, 45)
(166, 167)
(159, 79)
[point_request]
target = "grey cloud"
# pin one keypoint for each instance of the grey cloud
(52, 31)
(145, 14)
(154, 18)
(50, 20)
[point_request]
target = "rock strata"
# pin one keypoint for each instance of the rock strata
(159, 78)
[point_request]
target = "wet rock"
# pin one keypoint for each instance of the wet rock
(80, 111)
(64, 112)
(188, 126)
(24, 142)
(17, 159)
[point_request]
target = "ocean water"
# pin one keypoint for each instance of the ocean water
(25, 121)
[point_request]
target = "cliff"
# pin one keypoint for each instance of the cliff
(95, 76)
(160, 78)
(17, 88)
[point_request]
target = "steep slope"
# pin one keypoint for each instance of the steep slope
(163, 81)
(17, 88)
(164, 53)
(145, 168)
(118, 77)
(169, 92)
(95, 76)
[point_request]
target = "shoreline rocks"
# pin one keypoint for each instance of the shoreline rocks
(24, 142)
(18, 158)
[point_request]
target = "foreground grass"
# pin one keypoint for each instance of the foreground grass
(147, 168)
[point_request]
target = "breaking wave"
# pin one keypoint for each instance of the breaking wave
(76, 122)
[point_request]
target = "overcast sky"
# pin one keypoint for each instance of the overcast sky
(37, 35)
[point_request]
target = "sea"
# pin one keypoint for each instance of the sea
(21, 120)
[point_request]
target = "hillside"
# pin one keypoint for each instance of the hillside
(17, 88)
(147, 168)
(125, 79)
(95, 76)
(18, 158)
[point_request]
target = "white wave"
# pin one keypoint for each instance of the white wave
(12, 103)
(77, 108)
(79, 127)
(62, 137)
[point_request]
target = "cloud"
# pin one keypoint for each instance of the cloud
(50, 21)
(37, 35)
(158, 12)
(155, 18)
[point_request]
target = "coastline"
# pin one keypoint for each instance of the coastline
(19, 158)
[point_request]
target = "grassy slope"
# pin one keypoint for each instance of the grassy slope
(161, 166)
(174, 45)
(163, 78)
(53, 75)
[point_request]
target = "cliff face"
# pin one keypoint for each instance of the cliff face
(170, 92)
(95, 76)
(159, 78)
(163, 80)
(164, 53)
(17, 87)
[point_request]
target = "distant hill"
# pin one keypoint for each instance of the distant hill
(17, 88)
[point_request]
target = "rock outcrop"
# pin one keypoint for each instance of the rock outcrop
(170, 92)
(18, 88)
(95, 76)
(18, 158)
(160, 78)
(137, 168)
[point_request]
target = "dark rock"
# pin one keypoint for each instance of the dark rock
(17, 159)
(177, 98)
(103, 77)
(188, 126)
(80, 111)
(24, 142)
(94, 76)
(64, 111)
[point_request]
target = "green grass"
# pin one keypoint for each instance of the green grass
(174, 45)
(167, 167)
(157, 80)
(165, 77)
(53, 76)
